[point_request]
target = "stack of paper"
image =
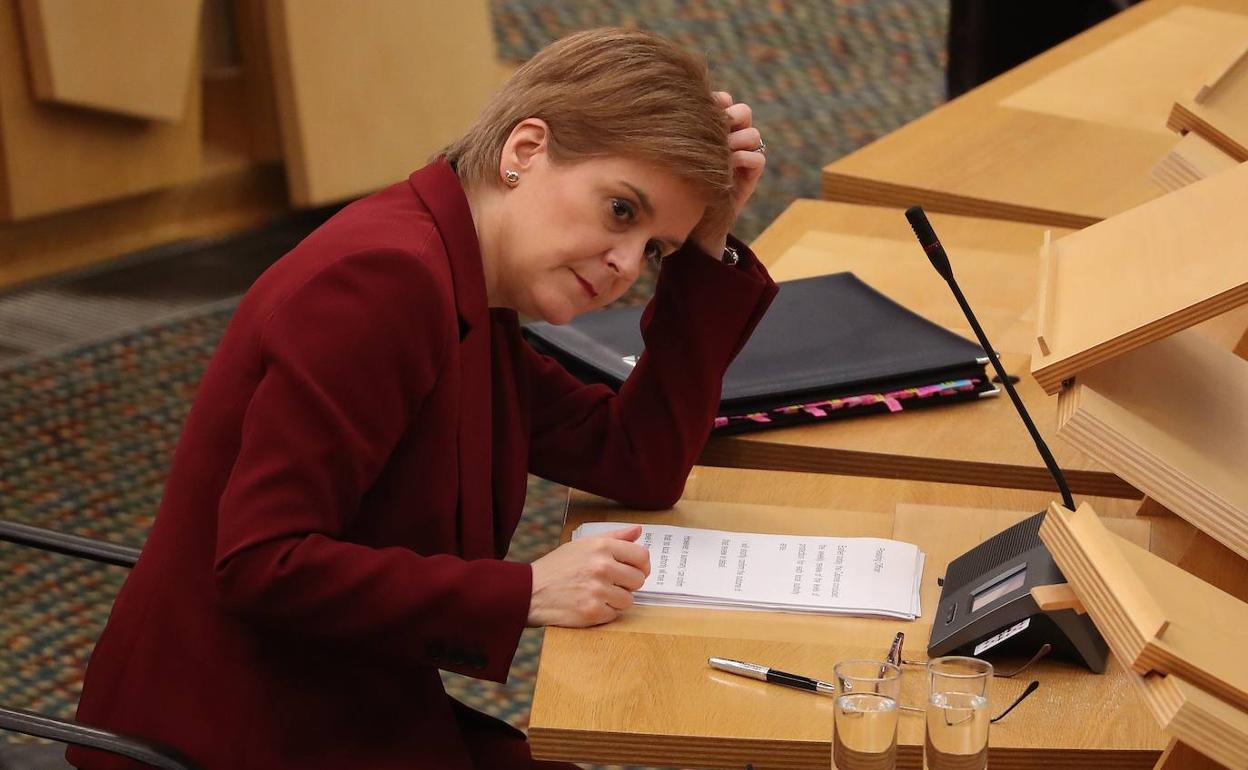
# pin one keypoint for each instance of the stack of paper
(786, 573)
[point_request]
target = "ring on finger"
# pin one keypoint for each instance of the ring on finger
(761, 149)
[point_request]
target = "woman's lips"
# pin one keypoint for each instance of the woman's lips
(586, 285)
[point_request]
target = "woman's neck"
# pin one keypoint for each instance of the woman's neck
(483, 202)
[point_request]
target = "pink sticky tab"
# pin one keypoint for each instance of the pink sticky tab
(814, 410)
(759, 417)
(893, 404)
(721, 422)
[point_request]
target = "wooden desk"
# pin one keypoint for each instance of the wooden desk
(639, 691)
(983, 442)
(1066, 139)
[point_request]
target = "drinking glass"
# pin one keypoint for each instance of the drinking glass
(864, 732)
(957, 714)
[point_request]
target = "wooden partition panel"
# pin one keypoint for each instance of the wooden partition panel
(54, 158)
(132, 57)
(368, 91)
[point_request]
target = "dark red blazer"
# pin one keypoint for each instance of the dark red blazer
(348, 481)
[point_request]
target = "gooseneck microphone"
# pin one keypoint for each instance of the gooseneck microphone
(940, 260)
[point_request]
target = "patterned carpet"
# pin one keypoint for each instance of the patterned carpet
(86, 433)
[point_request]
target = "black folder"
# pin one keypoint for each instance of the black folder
(829, 347)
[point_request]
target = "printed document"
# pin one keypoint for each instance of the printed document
(787, 573)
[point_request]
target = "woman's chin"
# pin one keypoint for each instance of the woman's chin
(553, 306)
(559, 319)
(557, 313)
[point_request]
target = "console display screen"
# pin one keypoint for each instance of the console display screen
(991, 593)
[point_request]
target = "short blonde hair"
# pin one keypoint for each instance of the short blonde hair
(612, 92)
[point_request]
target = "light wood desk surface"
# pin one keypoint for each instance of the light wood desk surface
(1066, 139)
(639, 690)
(982, 442)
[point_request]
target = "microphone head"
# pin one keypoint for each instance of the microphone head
(928, 240)
(922, 228)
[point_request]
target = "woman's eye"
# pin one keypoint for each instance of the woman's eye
(654, 252)
(622, 209)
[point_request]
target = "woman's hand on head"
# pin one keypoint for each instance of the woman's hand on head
(748, 163)
(588, 581)
(745, 141)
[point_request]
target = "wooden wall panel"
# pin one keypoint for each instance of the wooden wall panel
(367, 91)
(239, 104)
(133, 57)
(54, 158)
(257, 77)
(228, 196)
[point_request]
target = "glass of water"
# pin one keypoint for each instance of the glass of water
(864, 733)
(957, 714)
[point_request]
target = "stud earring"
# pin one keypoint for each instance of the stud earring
(512, 177)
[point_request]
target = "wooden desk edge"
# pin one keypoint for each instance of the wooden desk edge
(847, 188)
(731, 452)
(681, 751)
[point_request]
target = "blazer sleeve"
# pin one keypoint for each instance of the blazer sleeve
(638, 447)
(345, 361)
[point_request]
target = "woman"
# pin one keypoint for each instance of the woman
(354, 465)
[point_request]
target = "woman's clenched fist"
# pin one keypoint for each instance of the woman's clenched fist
(588, 581)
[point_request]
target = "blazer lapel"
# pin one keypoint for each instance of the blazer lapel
(440, 190)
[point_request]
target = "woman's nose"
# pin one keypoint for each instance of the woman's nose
(625, 261)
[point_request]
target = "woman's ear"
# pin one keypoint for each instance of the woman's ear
(525, 146)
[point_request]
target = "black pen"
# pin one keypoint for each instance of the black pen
(767, 674)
